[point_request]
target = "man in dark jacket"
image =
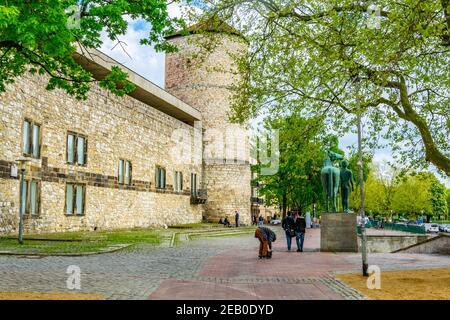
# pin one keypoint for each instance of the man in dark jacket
(236, 218)
(288, 225)
(300, 229)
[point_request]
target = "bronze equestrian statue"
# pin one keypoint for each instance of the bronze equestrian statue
(330, 180)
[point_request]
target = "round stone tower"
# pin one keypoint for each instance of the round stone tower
(201, 74)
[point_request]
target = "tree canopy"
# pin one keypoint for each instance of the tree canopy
(42, 36)
(389, 190)
(385, 59)
(302, 143)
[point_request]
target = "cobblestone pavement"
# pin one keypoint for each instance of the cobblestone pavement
(219, 268)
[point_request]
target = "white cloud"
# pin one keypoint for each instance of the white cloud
(143, 60)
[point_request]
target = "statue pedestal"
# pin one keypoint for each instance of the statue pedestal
(338, 232)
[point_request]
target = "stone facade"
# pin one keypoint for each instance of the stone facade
(116, 128)
(202, 75)
(150, 128)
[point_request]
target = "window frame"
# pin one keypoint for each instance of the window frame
(74, 193)
(123, 165)
(31, 123)
(75, 148)
(27, 210)
(194, 185)
(178, 181)
(158, 171)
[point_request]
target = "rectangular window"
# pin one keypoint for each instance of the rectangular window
(70, 148)
(79, 204)
(125, 172)
(178, 181)
(160, 178)
(31, 139)
(76, 149)
(80, 150)
(75, 199)
(30, 195)
(193, 184)
(34, 207)
(120, 171)
(24, 196)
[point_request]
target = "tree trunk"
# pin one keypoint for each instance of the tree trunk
(284, 204)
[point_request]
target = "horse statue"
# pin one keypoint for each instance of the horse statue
(330, 179)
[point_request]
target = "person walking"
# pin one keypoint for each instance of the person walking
(300, 229)
(260, 221)
(288, 226)
(236, 218)
(265, 237)
(254, 220)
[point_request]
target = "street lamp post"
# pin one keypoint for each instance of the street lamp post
(365, 264)
(22, 163)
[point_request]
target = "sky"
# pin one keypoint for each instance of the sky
(145, 61)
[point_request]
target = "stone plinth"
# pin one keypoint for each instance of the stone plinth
(338, 232)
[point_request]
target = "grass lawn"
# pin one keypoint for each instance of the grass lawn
(79, 242)
(425, 284)
(199, 225)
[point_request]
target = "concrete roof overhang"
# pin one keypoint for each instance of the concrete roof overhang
(99, 64)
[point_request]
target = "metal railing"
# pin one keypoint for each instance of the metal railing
(256, 200)
(199, 196)
(404, 227)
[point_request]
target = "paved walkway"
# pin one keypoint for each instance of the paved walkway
(218, 268)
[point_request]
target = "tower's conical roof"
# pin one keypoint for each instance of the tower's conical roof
(211, 24)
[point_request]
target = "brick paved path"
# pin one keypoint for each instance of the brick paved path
(219, 268)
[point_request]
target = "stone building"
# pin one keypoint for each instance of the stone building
(146, 159)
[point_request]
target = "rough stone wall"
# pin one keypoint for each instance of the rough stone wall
(204, 79)
(9, 209)
(116, 127)
(227, 192)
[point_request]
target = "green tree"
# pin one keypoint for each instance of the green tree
(42, 37)
(334, 57)
(297, 181)
(413, 196)
(380, 187)
(355, 198)
(438, 198)
(374, 200)
(448, 202)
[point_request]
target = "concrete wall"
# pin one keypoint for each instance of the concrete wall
(390, 243)
(115, 127)
(435, 245)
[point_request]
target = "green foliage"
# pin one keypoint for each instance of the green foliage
(331, 57)
(388, 190)
(412, 196)
(438, 199)
(302, 144)
(42, 36)
(448, 201)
